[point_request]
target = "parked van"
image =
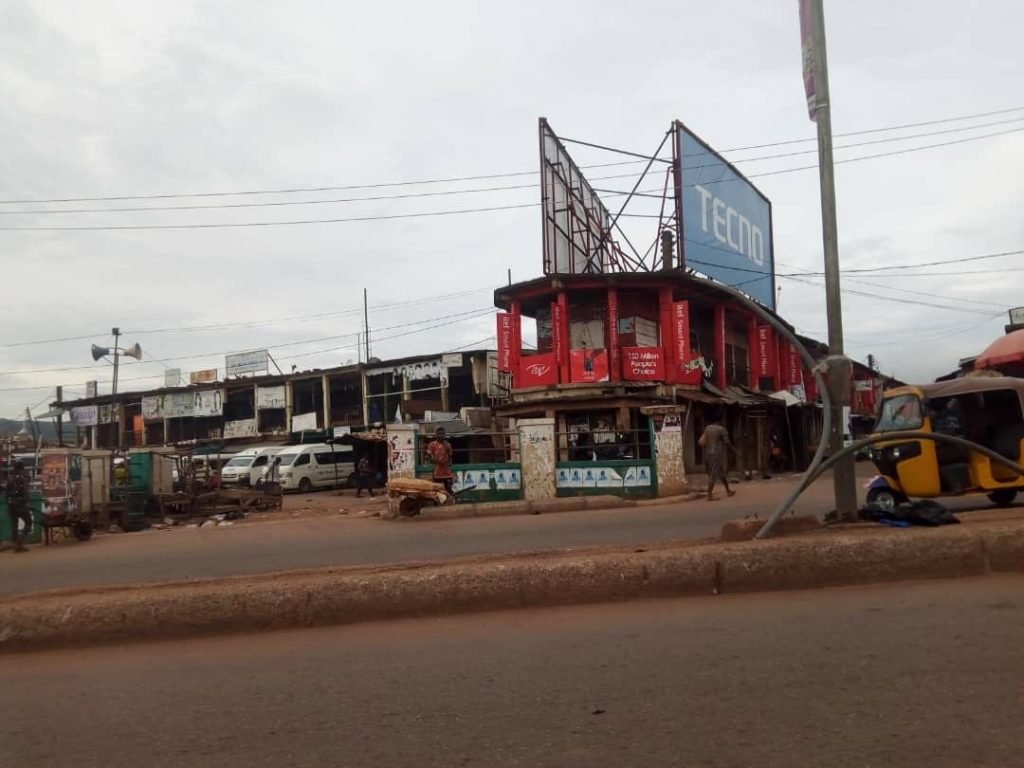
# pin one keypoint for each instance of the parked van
(246, 468)
(317, 465)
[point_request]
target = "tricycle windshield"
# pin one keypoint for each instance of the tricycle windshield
(900, 413)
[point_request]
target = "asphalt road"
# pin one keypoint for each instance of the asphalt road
(183, 553)
(905, 675)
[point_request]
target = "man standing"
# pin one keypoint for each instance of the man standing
(364, 476)
(715, 442)
(440, 454)
(17, 505)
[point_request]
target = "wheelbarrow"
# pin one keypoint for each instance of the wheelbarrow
(414, 494)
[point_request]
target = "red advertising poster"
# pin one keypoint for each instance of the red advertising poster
(588, 365)
(681, 321)
(643, 364)
(506, 338)
(765, 351)
(557, 331)
(538, 371)
(614, 342)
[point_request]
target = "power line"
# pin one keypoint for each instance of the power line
(235, 351)
(490, 209)
(479, 177)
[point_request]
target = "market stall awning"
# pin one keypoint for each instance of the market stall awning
(1005, 350)
(787, 397)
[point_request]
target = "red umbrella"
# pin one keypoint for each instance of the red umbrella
(1004, 351)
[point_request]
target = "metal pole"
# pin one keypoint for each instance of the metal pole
(366, 325)
(115, 411)
(844, 481)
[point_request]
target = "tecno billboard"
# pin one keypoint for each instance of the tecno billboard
(725, 222)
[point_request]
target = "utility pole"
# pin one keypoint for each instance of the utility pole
(60, 417)
(843, 477)
(366, 325)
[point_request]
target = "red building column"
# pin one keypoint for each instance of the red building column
(612, 336)
(721, 374)
(668, 330)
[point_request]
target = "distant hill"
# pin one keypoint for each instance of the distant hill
(46, 428)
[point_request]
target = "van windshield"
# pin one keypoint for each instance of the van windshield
(240, 461)
(287, 459)
(899, 413)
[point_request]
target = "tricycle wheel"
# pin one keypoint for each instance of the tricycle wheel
(1003, 497)
(82, 531)
(409, 507)
(886, 499)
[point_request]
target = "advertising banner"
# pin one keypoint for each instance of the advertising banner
(614, 343)
(256, 361)
(792, 368)
(153, 408)
(207, 376)
(505, 340)
(91, 389)
(765, 351)
(179, 405)
(807, 54)
(270, 397)
(643, 364)
(209, 402)
(558, 340)
(726, 221)
(172, 377)
(304, 421)
(588, 365)
(451, 360)
(691, 367)
(538, 371)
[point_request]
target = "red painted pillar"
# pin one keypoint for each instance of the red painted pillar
(721, 374)
(612, 336)
(753, 358)
(668, 330)
(517, 337)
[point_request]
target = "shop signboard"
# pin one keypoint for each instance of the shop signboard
(643, 364)
(690, 371)
(172, 377)
(240, 428)
(257, 361)
(206, 376)
(302, 422)
(588, 365)
(153, 408)
(765, 350)
(85, 415)
(91, 388)
(179, 405)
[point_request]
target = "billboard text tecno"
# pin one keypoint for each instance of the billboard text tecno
(726, 223)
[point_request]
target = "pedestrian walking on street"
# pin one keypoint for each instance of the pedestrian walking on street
(716, 445)
(440, 454)
(16, 492)
(364, 476)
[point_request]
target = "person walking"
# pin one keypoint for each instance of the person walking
(364, 476)
(716, 444)
(439, 451)
(16, 492)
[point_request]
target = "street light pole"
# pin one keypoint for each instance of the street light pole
(843, 477)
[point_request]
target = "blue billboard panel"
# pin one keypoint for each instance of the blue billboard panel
(726, 223)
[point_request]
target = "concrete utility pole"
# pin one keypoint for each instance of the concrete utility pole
(843, 476)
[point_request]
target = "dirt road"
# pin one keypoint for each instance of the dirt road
(908, 675)
(326, 540)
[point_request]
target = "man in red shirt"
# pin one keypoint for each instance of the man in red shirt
(439, 451)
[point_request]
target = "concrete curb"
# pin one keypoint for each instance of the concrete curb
(502, 508)
(75, 618)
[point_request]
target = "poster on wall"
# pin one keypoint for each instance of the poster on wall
(208, 402)
(558, 340)
(602, 477)
(765, 351)
(270, 397)
(401, 453)
(538, 371)
(588, 365)
(689, 369)
(643, 364)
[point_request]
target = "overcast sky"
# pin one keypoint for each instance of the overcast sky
(145, 98)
